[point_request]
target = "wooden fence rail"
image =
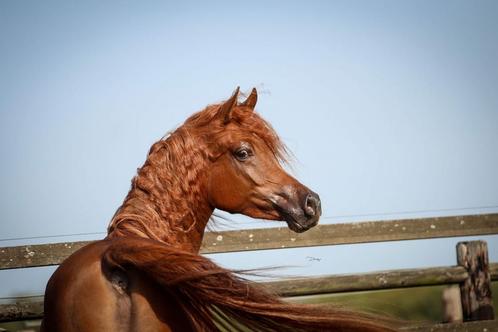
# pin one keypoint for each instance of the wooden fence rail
(276, 238)
(32, 308)
(373, 281)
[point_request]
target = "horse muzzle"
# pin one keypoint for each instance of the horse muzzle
(301, 210)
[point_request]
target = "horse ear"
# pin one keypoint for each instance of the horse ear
(228, 106)
(251, 100)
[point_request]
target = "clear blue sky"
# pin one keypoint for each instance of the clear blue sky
(390, 108)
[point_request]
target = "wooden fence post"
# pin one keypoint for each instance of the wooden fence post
(452, 304)
(475, 291)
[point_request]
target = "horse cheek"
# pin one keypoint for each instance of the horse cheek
(227, 189)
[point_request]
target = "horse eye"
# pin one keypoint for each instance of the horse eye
(242, 154)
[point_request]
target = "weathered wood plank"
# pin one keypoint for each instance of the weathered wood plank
(350, 233)
(493, 271)
(452, 304)
(309, 286)
(37, 255)
(478, 326)
(22, 310)
(368, 281)
(275, 238)
(477, 303)
(34, 310)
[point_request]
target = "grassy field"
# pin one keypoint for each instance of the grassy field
(416, 304)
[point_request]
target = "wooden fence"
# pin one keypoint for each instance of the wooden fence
(472, 272)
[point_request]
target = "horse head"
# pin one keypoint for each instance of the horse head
(246, 173)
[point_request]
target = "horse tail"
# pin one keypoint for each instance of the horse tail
(217, 299)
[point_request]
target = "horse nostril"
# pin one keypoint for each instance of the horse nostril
(312, 205)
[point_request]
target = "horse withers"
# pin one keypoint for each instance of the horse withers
(147, 275)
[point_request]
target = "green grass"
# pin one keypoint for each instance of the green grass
(416, 304)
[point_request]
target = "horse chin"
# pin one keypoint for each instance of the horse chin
(300, 226)
(296, 227)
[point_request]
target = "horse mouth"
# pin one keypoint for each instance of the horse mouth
(296, 220)
(298, 227)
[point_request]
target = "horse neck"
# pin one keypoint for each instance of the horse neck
(167, 201)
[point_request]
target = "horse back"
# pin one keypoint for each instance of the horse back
(84, 294)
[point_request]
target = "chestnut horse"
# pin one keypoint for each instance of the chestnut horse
(147, 275)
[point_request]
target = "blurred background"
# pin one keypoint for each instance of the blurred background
(389, 107)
